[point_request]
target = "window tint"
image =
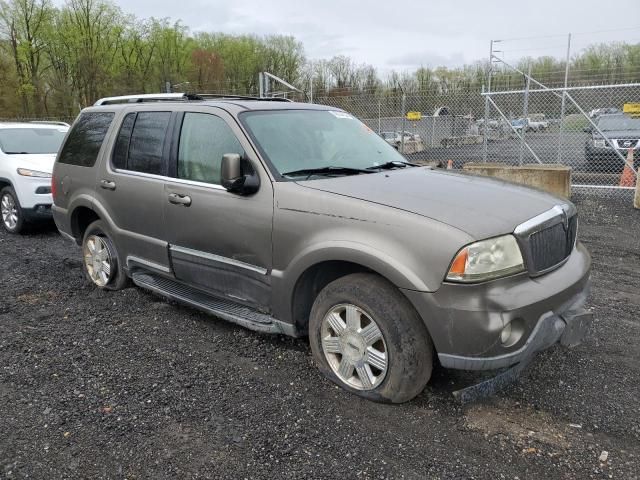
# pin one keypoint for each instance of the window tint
(86, 137)
(121, 149)
(204, 139)
(147, 141)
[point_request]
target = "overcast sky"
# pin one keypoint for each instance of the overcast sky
(403, 35)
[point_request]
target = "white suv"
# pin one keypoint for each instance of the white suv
(27, 153)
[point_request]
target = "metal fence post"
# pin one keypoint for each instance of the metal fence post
(564, 100)
(404, 118)
(433, 130)
(485, 146)
(525, 115)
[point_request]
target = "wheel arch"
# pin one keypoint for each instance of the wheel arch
(5, 182)
(327, 265)
(81, 217)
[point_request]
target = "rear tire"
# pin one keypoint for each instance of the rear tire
(366, 337)
(101, 263)
(12, 214)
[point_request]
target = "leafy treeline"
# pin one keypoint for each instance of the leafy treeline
(54, 61)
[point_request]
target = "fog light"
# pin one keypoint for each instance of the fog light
(505, 335)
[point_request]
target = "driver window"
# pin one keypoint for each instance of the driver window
(204, 139)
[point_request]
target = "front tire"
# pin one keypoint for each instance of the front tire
(101, 262)
(12, 214)
(366, 337)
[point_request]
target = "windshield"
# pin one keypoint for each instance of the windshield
(618, 122)
(296, 140)
(31, 140)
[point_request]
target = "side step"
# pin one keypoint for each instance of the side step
(225, 309)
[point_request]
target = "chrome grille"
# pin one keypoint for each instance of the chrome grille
(548, 239)
(552, 245)
(627, 142)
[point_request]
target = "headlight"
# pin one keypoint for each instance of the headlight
(599, 143)
(487, 259)
(25, 172)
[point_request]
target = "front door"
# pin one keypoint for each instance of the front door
(218, 241)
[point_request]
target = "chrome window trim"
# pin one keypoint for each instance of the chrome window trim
(195, 183)
(218, 258)
(152, 176)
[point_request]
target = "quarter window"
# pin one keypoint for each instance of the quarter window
(204, 139)
(85, 139)
(121, 150)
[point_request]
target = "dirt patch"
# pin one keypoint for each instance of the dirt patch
(521, 424)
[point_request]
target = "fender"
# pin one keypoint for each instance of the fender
(284, 281)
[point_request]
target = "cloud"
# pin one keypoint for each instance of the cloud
(431, 59)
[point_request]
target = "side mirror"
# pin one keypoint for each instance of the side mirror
(233, 178)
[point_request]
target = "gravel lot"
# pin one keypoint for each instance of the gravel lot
(126, 385)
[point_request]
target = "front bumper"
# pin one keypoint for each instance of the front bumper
(606, 160)
(38, 213)
(568, 325)
(465, 321)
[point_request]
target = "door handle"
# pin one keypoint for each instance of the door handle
(107, 184)
(179, 199)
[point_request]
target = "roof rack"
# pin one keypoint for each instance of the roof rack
(180, 97)
(52, 122)
(143, 97)
(204, 96)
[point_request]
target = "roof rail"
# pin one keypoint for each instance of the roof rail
(184, 97)
(143, 97)
(204, 96)
(50, 122)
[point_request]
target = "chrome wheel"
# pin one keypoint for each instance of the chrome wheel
(9, 211)
(98, 260)
(354, 347)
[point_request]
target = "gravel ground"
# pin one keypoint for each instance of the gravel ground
(126, 385)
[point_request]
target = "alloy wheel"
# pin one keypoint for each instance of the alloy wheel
(9, 211)
(354, 347)
(98, 260)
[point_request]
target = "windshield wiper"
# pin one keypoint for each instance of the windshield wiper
(392, 164)
(16, 153)
(325, 171)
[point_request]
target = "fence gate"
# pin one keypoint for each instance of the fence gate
(584, 128)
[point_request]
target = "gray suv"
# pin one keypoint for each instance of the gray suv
(298, 219)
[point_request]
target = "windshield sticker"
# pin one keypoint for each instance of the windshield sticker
(341, 115)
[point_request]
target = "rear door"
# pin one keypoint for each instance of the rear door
(130, 186)
(218, 241)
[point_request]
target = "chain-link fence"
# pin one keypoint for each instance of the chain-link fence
(593, 130)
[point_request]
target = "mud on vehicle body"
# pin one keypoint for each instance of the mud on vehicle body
(298, 219)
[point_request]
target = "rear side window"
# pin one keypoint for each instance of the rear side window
(85, 139)
(140, 143)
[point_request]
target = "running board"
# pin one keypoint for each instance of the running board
(225, 309)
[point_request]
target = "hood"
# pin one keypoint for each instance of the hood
(480, 206)
(618, 134)
(42, 162)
